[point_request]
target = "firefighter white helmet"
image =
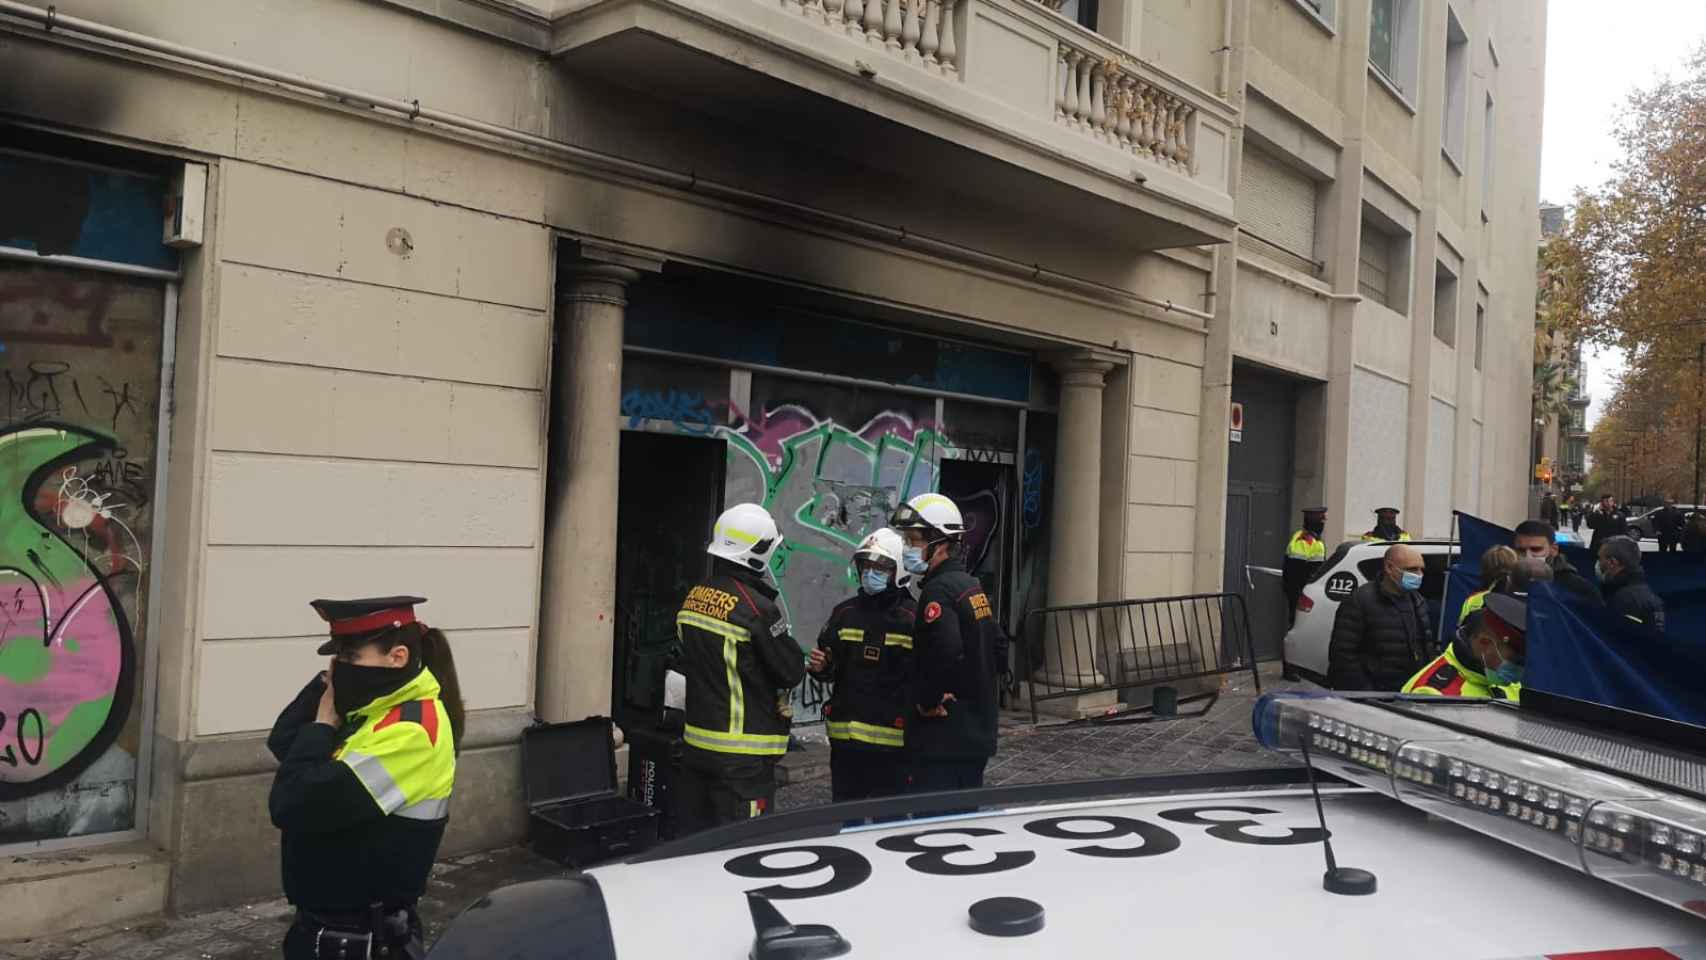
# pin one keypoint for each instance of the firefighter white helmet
(885, 544)
(745, 534)
(932, 513)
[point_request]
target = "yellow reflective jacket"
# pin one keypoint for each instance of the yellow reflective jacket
(1306, 546)
(1447, 676)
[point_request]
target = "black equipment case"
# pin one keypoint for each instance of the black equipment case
(573, 813)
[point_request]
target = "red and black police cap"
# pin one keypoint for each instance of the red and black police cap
(1507, 617)
(354, 620)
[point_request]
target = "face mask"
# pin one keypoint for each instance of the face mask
(1316, 527)
(355, 686)
(874, 581)
(913, 559)
(1506, 674)
(1410, 581)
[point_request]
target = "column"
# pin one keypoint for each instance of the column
(578, 586)
(1071, 656)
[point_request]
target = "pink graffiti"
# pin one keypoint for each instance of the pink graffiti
(85, 646)
(769, 429)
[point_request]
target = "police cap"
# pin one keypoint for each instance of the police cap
(1507, 616)
(354, 621)
(1392, 510)
(1308, 511)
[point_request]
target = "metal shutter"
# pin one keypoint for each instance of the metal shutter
(1276, 206)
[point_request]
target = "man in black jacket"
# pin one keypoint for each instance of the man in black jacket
(1381, 634)
(957, 649)
(1606, 521)
(1625, 583)
(1667, 527)
(1537, 540)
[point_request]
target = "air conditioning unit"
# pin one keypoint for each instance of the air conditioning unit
(186, 206)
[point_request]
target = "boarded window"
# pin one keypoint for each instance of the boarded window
(1374, 265)
(1276, 207)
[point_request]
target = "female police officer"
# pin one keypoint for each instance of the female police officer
(367, 757)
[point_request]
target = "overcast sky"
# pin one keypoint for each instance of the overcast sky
(1594, 57)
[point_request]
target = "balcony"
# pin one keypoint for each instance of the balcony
(995, 98)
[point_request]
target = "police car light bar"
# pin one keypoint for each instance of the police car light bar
(1627, 833)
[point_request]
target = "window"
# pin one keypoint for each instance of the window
(1456, 89)
(1276, 209)
(1323, 11)
(1445, 305)
(1081, 12)
(1392, 48)
(1487, 145)
(1383, 263)
(1480, 333)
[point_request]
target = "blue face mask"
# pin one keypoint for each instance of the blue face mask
(874, 581)
(913, 559)
(1410, 581)
(1506, 674)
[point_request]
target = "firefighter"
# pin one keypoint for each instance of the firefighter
(1485, 658)
(865, 651)
(1386, 529)
(736, 652)
(1303, 557)
(959, 652)
(367, 760)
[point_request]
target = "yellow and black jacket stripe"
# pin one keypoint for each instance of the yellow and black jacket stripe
(740, 660)
(868, 640)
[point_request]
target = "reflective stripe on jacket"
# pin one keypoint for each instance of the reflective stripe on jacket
(740, 662)
(1447, 676)
(402, 752)
(1306, 546)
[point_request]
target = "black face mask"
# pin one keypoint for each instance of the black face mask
(1317, 527)
(355, 686)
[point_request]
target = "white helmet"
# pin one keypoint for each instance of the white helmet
(885, 544)
(933, 513)
(745, 534)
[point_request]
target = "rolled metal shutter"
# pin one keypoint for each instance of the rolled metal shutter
(1276, 207)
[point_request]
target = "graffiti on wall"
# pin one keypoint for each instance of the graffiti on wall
(827, 483)
(79, 409)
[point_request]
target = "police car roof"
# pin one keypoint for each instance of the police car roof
(1215, 874)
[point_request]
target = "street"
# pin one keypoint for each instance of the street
(1218, 741)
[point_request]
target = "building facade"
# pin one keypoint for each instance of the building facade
(499, 301)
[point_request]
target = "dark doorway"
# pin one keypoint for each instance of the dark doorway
(1258, 501)
(983, 492)
(670, 493)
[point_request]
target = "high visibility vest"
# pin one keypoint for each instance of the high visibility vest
(403, 752)
(1372, 537)
(1446, 676)
(1306, 546)
(1475, 602)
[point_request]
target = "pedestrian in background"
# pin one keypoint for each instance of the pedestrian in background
(367, 761)
(1381, 633)
(1606, 521)
(1694, 533)
(1576, 512)
(1625, 584)
(1667, 526)
(1549, 509)
(1386, 528)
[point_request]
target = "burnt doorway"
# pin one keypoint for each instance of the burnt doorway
(670, 492)
(1258, 501)
(984, 494)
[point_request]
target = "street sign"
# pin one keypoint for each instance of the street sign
(1237, 423)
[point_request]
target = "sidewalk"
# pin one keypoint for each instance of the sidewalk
(1220, 740)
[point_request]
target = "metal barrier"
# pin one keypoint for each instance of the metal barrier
(1099, 647)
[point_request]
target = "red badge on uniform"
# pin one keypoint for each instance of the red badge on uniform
(932, 612)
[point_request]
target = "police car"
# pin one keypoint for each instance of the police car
(1457, 829)
(1304, 653)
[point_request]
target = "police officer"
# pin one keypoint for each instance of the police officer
(1386, 529)
(367, 760)
(865, 650)
(959, 649)
(737, 653)
(1303, 556)
(1485, 659)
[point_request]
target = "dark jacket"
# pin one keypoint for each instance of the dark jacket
(1694, 536)
(1379, 640)
(1605, 526)
(868, 640)
(1565, 575)
(731, 628)
(956, 642)
(1549, 511)
(1628, 594)
(1667, 524)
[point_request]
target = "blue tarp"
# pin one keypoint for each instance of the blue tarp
(1593, 654)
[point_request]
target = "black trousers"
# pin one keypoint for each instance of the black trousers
(1667, 546)
(856, 774)
(937, 774)
(722, 788)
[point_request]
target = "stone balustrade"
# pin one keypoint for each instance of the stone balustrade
(1096, 89)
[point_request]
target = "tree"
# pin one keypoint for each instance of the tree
(1627, 274)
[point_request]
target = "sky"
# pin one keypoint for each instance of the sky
(1594, 57)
